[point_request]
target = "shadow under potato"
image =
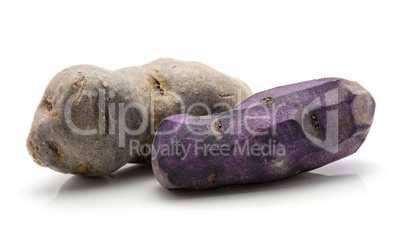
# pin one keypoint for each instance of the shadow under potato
(339, 172)
(135, 187)
(135, 174)
(305, 181)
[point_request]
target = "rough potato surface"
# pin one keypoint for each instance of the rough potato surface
(271, 135)
(89, 116)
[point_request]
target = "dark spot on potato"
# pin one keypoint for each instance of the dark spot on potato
(211, 178)
(218, 126)
(158, 86)
(48, 105)
(107, 118)
(34, 146)
(57, 152)
(267, 100)
(217, 129)
(48, 108)
(314, 122)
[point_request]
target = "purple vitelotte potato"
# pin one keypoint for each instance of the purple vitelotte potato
(272, 135)
(91, 121)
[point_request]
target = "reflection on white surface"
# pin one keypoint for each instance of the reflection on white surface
(134, 189)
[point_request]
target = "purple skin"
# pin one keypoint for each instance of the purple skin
(301, 127)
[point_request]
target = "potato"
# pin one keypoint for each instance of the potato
(272, 135)
(91, 121)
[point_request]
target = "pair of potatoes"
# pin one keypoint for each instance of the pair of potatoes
(91, 121)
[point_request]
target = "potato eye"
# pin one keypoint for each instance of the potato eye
(267, 100)
(48, 105)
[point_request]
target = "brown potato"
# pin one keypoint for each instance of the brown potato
(92, 121)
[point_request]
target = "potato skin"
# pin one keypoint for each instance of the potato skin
(272, 135)
(86, 118)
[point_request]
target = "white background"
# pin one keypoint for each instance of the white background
(265, 44)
